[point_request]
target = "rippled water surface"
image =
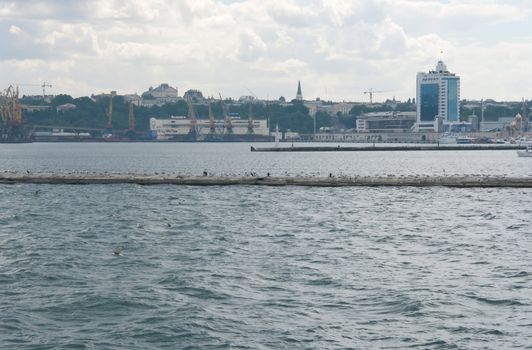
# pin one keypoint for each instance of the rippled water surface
(257, 267)
(236, 158)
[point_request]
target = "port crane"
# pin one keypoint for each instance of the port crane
(110, 114)
(192, 116)
(131, 119)
(250, 119)
(212, 123)
(371, 92)
(227, 120)
(11, 128)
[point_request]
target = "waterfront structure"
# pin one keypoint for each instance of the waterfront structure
(299, 94)
(438, 96)
(386, 122)
(176, 127)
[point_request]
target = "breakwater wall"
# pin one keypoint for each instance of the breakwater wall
(416, 181)
(370, 148)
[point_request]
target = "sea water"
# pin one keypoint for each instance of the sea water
(261, 267)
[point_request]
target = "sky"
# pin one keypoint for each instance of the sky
(337, 48)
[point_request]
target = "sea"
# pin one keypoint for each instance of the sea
(125, 266)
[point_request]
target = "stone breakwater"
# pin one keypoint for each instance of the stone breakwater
(394, 148)
(141, 179)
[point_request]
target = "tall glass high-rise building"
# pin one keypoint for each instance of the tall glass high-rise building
(437, 96)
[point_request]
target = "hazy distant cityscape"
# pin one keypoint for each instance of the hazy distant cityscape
(161, 113)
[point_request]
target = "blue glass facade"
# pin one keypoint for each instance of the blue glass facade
(452, 99)
(429, 102)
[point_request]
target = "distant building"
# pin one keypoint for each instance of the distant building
(299, 94)
(133, 98)
(160, 95)
(386, 122)
(65, 107)
(438, 96)
(496, 125)
(331, 108)
(247, 99)
(194, 95)
(168, 128)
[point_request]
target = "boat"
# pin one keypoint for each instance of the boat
(525, 152)
(453, 139)
(461, 140)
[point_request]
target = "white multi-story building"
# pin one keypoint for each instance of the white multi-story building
(438, 98)
(167, 128)
(386, 122)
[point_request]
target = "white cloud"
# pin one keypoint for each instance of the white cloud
(15, 30)
(337, 48)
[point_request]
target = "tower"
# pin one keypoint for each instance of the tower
(299, 95)
(438, 98)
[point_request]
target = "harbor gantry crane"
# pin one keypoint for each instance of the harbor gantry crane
(110, 114)
(250, 119)
(212, 123)
(131, 119)
(371, 92)
(11, 129)
(227, 121)
(193, 131)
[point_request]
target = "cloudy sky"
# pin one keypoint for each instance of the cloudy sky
(337, 48)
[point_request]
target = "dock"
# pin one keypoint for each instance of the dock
(381, 148)
(331, 181)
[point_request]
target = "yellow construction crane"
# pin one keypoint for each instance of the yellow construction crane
(44, 85)
(371, 92)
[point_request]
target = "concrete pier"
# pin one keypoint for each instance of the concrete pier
(416, 181)
(381, 147)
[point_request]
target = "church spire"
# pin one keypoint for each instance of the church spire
(299, 95)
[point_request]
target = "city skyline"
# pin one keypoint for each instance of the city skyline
(337, 49)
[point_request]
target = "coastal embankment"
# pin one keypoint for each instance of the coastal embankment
(380, 147)
(331, 181)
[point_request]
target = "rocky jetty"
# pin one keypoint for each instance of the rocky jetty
(331, 181)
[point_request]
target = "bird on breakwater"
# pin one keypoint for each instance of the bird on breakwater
(117, 251)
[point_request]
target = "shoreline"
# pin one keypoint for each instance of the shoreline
(380, 147)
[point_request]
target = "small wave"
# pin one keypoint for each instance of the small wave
(434, 343)
(516, 226)
(502, 302)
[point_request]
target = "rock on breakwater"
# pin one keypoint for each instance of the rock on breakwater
(332, 181)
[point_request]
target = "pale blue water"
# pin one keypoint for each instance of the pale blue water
(257, 267)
